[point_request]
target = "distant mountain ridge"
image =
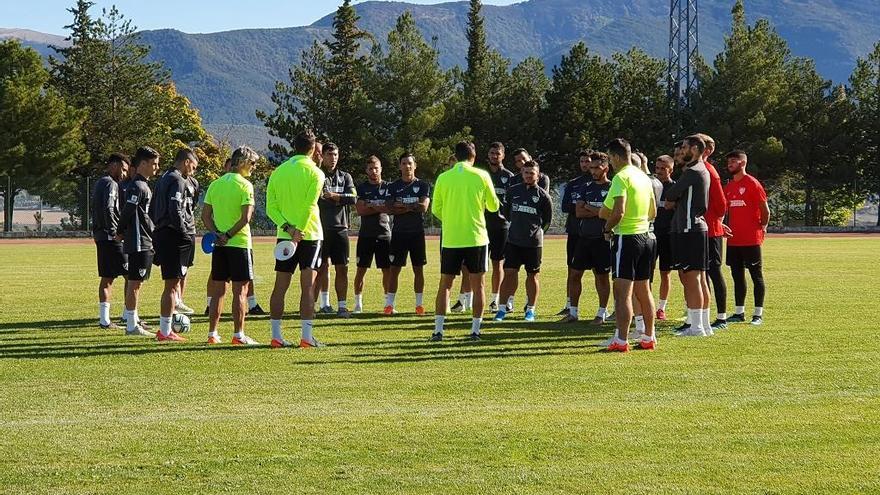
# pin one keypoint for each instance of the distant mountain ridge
(229, 75)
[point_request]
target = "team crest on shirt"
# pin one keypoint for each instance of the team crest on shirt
(504, 180)
(391, 257)
(382, 192)
(133, 199)
(142, 272)
(534, 199)
(416, 189)
(604, 193)
(182, 270)
(125, 266)
(742, 190)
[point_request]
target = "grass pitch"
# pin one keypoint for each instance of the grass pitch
(789, 407)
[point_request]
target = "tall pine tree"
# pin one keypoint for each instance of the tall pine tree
(742, 101)
(865, 94)
(411, 93)
(580, 104)
(326, 93)
(40, 134)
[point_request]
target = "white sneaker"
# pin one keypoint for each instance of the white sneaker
(246, 340)
(691, 332)
(184, 309)
(606, 343)
(358, 310)
(708, 330)
(139, 332)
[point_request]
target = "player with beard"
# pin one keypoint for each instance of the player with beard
(715, 212)
(593, 251)
(748, 216)
(689, 197)
(572, 223)
(112, 261)
(136, 227)
(663, 172)
(374, 236)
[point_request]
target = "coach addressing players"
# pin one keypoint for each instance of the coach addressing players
(628, 210)
(461, 195)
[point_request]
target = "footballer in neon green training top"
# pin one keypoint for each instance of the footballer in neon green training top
(461, 196)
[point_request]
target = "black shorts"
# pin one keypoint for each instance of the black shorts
(307, 255)
(112, 261)
(139, 265)
(367, 247)
(476, 259)
(743, 256)
(570, 248)
(592, 253)
(517, 256)
(497, 244)
(172, 252)
(191, 254)
(412, 243)
(335, 247)
(690, 251)
(232, 264)
(664, 252)
(633, 256)
(716, 246)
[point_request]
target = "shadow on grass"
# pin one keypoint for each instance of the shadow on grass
(512, 338)
(119, 349)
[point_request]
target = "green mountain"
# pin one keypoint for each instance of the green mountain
(230, 74)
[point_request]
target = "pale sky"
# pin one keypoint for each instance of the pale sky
(190, 16)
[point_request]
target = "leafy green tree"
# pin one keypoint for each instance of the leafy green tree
(519, 114)
(105, 72)
(476, 77)
(865, 95)
(580, 106)
(128, 100)
(818, 144)
(299, 105)
(326, 93)
(40, 136)
(411, 93)
(641, 111)
(743, 98)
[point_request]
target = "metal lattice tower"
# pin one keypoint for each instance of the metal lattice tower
(683, 50)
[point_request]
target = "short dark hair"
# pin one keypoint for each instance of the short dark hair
(738, 154)
(143, 154)
(373, 159)
(696, 140)
(497, 145)
(599, 157)
(619, 147)
(587, 153)
(329, 147)
(304, 142)
(117, 158)
(531, 164)
(465, 151)
(520, 150)
(406, 154)
(184, 154)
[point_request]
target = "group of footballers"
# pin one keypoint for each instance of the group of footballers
(617, 227)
